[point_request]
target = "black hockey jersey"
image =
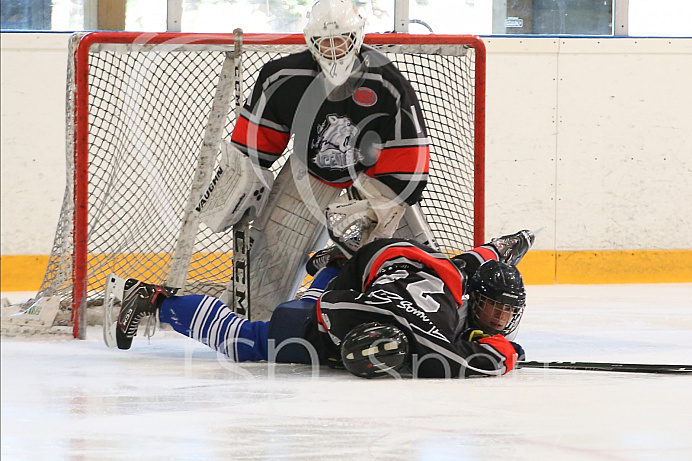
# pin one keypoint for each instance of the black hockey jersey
(372, 124)
(400, 282)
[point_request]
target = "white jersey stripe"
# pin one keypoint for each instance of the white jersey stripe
(410, 142)
(263, 121)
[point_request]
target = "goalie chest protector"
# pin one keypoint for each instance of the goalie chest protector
(375, 126)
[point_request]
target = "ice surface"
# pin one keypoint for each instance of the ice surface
(171, 398)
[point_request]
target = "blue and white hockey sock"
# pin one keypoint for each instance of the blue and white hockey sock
(214, 324)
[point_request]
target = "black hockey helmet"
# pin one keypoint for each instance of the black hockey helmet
(496, 298)
(372, 349)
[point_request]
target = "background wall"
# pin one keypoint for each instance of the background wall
(588, 144)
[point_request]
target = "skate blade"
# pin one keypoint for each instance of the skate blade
(112, 300)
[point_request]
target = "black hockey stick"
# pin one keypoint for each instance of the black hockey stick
(241, 230)
(605, 366)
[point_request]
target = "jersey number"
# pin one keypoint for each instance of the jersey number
(422, 291)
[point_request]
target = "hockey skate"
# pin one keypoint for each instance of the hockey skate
(137, 300)
(511, 248)
(323, 258)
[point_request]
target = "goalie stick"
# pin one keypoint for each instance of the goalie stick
(241, 267)
(606, 366)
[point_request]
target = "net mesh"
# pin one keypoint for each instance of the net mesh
(148, 109)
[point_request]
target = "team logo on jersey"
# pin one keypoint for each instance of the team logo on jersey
(335, 139)
(365, 97)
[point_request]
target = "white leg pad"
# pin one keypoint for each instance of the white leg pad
(290, 227)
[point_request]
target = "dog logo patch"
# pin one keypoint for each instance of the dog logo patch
(335, 139)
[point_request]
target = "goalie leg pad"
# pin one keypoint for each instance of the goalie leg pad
(349, 223)
(288, 230)
(385, 203)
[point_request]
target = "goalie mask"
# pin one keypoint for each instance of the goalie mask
(334, 34)
(496, 298)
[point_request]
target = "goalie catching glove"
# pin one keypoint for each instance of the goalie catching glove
(368, 212)
(237, 186)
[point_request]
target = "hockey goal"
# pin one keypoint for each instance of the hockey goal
(145, 114)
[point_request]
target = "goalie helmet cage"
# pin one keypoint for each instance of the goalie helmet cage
(145, 114)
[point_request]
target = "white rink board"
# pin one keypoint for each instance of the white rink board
(521, 138)
(624, 188)
(174, 399)
(34, 72)
(587, 141)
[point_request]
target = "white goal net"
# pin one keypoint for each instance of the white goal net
(145, 114)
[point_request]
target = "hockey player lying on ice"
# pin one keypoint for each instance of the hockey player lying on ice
(393, 305)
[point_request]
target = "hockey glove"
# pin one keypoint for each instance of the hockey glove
(520, 350)
(475, 335)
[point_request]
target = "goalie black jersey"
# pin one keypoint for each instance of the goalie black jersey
(371, 124)
(399, 282)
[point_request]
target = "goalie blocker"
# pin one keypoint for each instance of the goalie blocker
(237, 186)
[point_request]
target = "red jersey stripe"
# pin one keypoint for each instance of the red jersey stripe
(319, 314)
(403, 160)
(486, 253)
(444, 268)
(259, 137)
(501, 345)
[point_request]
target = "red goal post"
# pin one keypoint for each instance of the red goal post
(447, 71)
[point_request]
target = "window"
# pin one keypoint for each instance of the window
(660, 18)
(26, 14)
